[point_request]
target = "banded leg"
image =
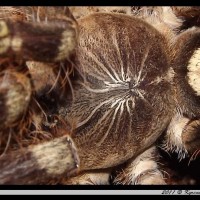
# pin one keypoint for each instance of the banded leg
(15, 95)
(51, 40)
(182, 136)
(40, 163)
(143, 170)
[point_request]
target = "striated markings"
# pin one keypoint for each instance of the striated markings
(117, 95)
(124, 75)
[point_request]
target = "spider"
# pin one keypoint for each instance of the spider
(85, 92)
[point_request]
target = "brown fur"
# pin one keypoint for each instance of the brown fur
(128, 128)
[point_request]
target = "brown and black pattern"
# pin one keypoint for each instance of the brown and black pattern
(24, 39)
(126, 75)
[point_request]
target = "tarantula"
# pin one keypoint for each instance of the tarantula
(88, 91)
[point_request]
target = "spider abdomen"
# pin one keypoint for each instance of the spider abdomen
(122, 99)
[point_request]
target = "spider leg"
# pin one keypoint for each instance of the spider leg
(40, 163)
(51, 41)
(15, 95)
(182, 136)
(142, 170)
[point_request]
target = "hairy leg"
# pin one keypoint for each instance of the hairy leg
(24, 40)
(182, 136)
(40, 163)
(143, 170)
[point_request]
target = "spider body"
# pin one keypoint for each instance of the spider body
(125, 96)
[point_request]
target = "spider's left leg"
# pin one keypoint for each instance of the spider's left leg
(38, 164)
(143, 170)
(51, 40)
